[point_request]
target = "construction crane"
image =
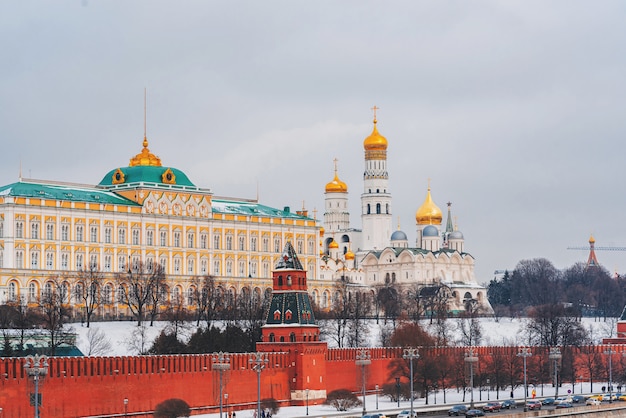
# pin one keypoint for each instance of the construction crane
(592, 260)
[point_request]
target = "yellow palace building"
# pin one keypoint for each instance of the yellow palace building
(142, 214)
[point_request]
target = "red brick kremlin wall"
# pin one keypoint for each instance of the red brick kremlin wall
(97, 386)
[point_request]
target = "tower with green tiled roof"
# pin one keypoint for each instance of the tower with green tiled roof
(290, 317)
(290, 327)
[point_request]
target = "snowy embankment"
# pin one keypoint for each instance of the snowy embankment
(124, 337)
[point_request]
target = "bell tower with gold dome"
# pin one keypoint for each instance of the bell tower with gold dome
(336, 214)
(376, 217)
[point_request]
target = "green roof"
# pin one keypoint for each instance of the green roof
(72, 193)
(251, 209)
(146, 174)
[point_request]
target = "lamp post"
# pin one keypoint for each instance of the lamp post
(471, 357)
(307, 401)
(125, 407)
(555, 355)
(525, 352)
(363, 359)
(398, 391)
(488, 388)
(36, 367)
(221, 362)
(258, 361)
(609, 352)
(377, 397)
(411, 354)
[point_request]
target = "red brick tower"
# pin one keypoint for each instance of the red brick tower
(290, 327)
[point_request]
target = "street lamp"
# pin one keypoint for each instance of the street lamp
(555, 354)
(471, 357)
(488, 388)
(610, 353)
(377, 397)
(363, 359)
(398, 391)
(36, 367)
(258, 361)
(411, 354)
(524, 352)
(221, 362)
(307, 401)
(125, 407)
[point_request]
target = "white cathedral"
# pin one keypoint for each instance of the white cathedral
(378, 255)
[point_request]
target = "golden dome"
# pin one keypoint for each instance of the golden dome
(375, 141)
(336, 186)
(145, 157)
(333, 244)
(592, 240)
(349, 255)
(429, 213)
(322, 230)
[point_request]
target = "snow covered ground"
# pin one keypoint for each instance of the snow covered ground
(123, 339)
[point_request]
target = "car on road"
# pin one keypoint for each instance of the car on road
(593, 401)
(533, 405)
(607, 397)
(509, 404)
(564, 405)
(374, 416)
(548, 401)
(562, 399)
(578, 399)
(407, 414)
(457, 410)
(492, 407)
(474, 413)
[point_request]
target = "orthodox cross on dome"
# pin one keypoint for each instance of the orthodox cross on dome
(375, 109)
(335, 161)
(449, 204)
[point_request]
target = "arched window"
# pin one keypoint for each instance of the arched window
(378, 208)
(12, 292)
(292, 337)
(369, 209)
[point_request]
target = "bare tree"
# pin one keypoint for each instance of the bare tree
(142, 290)
(251, 307)
(55, 313)
(552, 325)
(469, 325)
(98, 344)
(207, 298)
(87, 286)
(339, 313)
(359, 308)
(138, 341)
(388, 297)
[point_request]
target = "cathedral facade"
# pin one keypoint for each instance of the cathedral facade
(375, 255)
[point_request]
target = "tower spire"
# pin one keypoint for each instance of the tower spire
(592, 261)
(449, 227)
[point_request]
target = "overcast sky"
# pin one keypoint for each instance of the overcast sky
(516, 110)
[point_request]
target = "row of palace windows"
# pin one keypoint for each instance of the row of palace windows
(135, 238)
(122, 264)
